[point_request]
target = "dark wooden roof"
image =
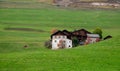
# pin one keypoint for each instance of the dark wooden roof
(67, 32)
(58, 33)
(81, 30)
(76, 33)
(64, 32)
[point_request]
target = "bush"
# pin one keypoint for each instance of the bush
(75, 42)
(98, 31)
(48, 44)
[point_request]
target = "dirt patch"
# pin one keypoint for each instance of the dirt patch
(24, 29)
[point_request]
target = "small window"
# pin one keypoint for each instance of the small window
(55, 40)
(69, 46)
(55, 37)
(69, 41)
(59, 37)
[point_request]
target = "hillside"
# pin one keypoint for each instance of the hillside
(103, 56)
(25, 26)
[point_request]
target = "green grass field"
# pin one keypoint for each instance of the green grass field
(102, 56)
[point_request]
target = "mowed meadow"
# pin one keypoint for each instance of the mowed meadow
(31, 27)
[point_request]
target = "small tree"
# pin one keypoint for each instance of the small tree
(98, 31)
(53, 31)
(75, 41)
(48, 44)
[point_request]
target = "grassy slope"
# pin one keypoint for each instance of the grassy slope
(103, 56)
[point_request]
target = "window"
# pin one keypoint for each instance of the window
(69, 46)
(55, 40)
(55, 37)
(59, 37)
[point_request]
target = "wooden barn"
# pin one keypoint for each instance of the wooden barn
(81, 35)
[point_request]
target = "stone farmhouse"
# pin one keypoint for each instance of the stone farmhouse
(60, 39)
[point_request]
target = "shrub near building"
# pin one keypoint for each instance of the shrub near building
(98, 31)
